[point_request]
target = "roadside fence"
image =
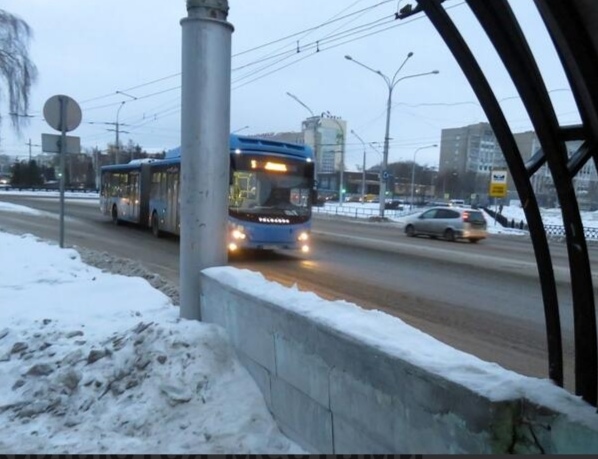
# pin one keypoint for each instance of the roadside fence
(359, 211)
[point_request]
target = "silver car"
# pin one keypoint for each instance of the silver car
(450, 223)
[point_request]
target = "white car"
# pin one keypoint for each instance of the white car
(450, 223)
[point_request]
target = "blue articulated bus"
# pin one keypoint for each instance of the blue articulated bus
(270, 194)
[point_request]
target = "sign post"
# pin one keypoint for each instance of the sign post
(63, 114)
(498, 187)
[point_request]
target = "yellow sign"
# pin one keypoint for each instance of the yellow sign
(498, 190)
(498, 184)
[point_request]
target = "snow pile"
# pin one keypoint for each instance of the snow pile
(98, 363)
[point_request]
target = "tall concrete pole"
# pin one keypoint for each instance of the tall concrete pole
(383, 171)
(341, 181)
(362, 167)
(205, 130)
(117, 128)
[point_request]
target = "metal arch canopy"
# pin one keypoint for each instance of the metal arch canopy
(571, 25)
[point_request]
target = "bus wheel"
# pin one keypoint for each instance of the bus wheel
(115, 215)
(156, 225)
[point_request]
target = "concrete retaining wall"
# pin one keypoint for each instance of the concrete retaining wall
(334, 393)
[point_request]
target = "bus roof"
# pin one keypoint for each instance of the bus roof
(245, 143)
(272, 146)
(122, 167)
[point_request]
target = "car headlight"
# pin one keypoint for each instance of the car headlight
(304, 236)
(238, 234)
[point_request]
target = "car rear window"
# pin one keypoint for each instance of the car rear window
(473, 216)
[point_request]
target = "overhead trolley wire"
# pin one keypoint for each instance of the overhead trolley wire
(324, 24)
(326, 43)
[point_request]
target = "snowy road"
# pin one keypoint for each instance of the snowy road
(483, 299)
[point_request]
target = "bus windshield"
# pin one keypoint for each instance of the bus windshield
(270, 185)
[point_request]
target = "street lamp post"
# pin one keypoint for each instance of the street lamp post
(413, 173)
(31, 145)
(341, 191)
(315, 129)
(117, 124)
(391, 83)
(362, 167)
(117, 128)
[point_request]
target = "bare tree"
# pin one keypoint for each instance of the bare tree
(17, 71)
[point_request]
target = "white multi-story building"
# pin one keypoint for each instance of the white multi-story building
(327, 135)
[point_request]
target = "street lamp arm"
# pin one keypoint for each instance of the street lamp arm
(240, 129)
(392, 82)
(377, 72)
(356, 135)
(122, 104)
(302, 104)
(433, 72)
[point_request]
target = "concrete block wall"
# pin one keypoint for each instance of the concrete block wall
(333, 393)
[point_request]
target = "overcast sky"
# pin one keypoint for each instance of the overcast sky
(91, 49)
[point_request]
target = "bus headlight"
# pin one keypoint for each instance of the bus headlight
(305, 248)
(238, 235)
(303, 237)
(232, 247)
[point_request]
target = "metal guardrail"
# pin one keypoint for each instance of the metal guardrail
(591, 234)
(48, 189)
(359, 212)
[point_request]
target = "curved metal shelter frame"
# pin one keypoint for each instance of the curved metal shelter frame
(571, 25)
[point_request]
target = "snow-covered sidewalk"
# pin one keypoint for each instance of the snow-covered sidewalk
(92, 362)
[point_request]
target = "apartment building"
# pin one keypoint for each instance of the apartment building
(469, 153)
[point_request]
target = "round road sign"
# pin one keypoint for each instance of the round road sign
(53, 113)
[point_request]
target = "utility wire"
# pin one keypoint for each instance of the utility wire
(294, 45)
(316, 43)
(309, 29)
(319, 44)
(306, 31)
(315, 47)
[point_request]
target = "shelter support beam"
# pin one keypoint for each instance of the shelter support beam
(480, 85)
